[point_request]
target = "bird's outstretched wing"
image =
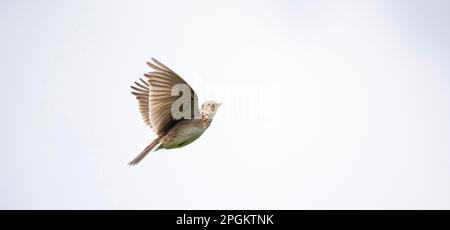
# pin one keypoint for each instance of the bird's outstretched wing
(155, 99)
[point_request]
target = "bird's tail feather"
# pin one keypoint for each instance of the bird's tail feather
(144, 153)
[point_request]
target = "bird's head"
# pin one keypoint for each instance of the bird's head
(209, 109)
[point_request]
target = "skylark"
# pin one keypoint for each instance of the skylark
(161, 107)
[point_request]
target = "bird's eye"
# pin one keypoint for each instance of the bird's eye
(213, 107)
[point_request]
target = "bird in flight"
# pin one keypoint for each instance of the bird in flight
(170, 107)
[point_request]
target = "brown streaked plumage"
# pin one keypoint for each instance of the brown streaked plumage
(155, 102)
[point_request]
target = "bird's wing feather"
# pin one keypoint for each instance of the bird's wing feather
(155, 99)
(141, 91)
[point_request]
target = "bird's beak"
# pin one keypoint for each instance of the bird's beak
(218, 104)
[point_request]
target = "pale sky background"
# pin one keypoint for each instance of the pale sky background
(326, 104)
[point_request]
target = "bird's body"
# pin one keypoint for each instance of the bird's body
(182, 134)
(156, 99)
